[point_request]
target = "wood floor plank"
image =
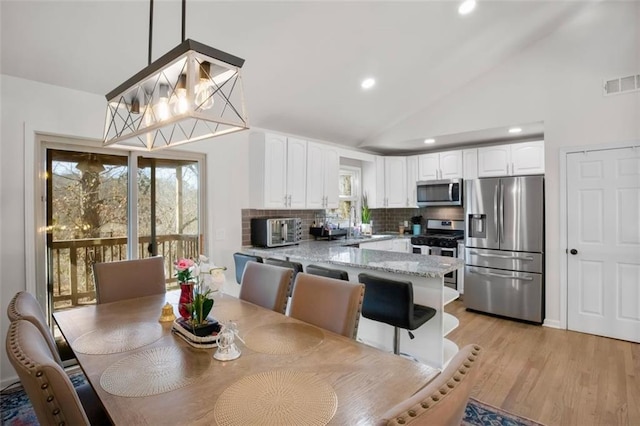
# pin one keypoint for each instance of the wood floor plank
(556, 377)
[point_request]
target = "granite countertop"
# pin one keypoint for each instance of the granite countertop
(337, 252)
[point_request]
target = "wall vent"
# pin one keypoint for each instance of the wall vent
(618, 85)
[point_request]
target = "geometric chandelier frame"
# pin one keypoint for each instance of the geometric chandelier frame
(191, 93)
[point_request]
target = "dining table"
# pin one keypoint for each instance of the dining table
(289, 372)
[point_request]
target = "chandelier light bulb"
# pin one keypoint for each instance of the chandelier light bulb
(179, 101)
(205, 89)
(161, 108)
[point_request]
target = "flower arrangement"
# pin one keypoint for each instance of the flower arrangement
(198, 280)
(366, 213)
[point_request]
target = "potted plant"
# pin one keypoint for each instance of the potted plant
(366, 215)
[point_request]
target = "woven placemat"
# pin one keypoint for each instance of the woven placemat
(277, 398)
(154, 371)
(283, 338)
(118, 339)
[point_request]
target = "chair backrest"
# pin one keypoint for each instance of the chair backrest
(240, 260)
(24, 306)
(443, 401)
(128, 279)
(388, 301)
(266, 285)
(52, 394)
(328, 303)
(338, 274)
(295, 266)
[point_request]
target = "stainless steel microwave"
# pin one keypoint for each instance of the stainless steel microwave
(275, 232)
(446, 192)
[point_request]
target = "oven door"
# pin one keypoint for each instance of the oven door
(450, 279)
(421, 250)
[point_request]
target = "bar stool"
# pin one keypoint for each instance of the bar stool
(297, 267)
(391, 302)
(240, 260)
(337, 274)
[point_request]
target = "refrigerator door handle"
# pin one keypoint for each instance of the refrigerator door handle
(501, 213)
(493, 274)
(495, 210)
(499, 256)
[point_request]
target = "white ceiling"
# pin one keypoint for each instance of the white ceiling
(304, 60)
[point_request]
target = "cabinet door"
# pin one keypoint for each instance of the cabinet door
(315, 180)
(428, 167)
(275, 171)
(494, 161)
(451, 165)
(331, 170)
(395, 175)
(527, 158)
(297, 173)
(412, 178)
(470, 164)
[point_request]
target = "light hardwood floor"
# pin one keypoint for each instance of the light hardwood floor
(556, 377)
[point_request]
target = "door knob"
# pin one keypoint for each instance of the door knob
(573, 251)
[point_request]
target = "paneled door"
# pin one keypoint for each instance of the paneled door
(603, 256)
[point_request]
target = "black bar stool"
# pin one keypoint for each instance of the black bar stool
(337, 274)
(391, 302)
(240, 260)
(297, 267)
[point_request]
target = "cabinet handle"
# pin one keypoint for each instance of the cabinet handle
(509, 277)
(513, 168)
(285, 200)
(499, 256)
(289, 200)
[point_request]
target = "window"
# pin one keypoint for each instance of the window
(349, 194)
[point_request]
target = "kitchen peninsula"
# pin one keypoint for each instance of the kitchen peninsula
(425, 272)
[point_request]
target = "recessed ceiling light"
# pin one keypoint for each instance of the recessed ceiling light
(368, 83)
(467, 7)
(515, 130)
(429, 141)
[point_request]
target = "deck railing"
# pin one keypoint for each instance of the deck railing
(72, 260)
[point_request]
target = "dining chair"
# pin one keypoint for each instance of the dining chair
(24, 306)
(266, 285)
(128, 279)
(240, 260)
(52, 395)
(327, 303)
(441, 402)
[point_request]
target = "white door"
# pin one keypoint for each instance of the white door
(395, 175)
(494, 161)
(451, 165)
(315, 178)
(275, 171)
(428, 167)
(603, 263)
(331, 172)
(527, 158)
(297, 173)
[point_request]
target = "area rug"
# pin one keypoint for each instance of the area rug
(17, 411)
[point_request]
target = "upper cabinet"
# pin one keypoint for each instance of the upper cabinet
(470, 163)
(278, 169)
(323, 171)
(441, 165)
(525, 158)
(412, 179)
(385, 182)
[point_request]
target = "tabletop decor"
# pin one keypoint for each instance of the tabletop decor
(227, 349)
(167, 313)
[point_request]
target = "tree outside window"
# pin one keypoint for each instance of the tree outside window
(349, 194)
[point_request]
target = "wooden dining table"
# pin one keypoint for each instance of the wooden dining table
(144, 373)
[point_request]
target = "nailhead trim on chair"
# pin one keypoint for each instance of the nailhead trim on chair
(433, 399)
(12, 311)
(30, 365)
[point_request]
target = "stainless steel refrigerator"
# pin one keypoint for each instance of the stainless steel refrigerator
(504, 246)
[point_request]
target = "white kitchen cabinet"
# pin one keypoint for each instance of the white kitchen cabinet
(412, 179)
(278, 171)
(470, 163)
(323, 172)
(440, 165)
(385, 182)
(525, 158)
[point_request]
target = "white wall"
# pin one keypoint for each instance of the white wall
(28, 108)
(558, 80)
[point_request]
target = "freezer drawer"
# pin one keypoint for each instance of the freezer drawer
(511, 294)
(499, 259)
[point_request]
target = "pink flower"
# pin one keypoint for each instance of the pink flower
(184, 264)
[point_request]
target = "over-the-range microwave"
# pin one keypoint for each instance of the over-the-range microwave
(447, 192)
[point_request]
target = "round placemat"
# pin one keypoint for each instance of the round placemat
(154, 371)
(118, 339)
(277, 398)
(283, 338)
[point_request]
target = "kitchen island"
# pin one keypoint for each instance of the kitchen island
(425, 272)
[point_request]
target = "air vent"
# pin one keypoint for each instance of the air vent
(619, 85)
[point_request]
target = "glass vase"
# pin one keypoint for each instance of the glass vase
(186, 297)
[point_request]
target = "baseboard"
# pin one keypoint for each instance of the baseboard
(551, 324)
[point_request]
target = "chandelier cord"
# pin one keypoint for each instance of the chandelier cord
(184, 13)
(150, 31)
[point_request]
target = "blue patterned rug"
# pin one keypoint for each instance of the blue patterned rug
(16, 410)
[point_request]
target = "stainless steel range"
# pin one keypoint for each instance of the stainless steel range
(441, 239)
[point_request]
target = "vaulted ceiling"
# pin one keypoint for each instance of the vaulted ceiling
(304, 60)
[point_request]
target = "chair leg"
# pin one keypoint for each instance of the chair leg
(396, 340)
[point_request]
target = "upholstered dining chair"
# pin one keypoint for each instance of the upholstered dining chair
(266, 285)
(128, 279)
(328, 303)
(54, 399)
(24, 306)
(240, 261)
(441, 402)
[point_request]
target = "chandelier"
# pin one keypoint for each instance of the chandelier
(191, 93)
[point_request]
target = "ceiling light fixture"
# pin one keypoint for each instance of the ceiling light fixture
(191, 93)
(515, 130)
(429, 141)
(467, 7)
(368, 83)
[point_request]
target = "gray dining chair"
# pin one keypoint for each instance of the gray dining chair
(328, 303)
(128, 279)
(266, 285)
